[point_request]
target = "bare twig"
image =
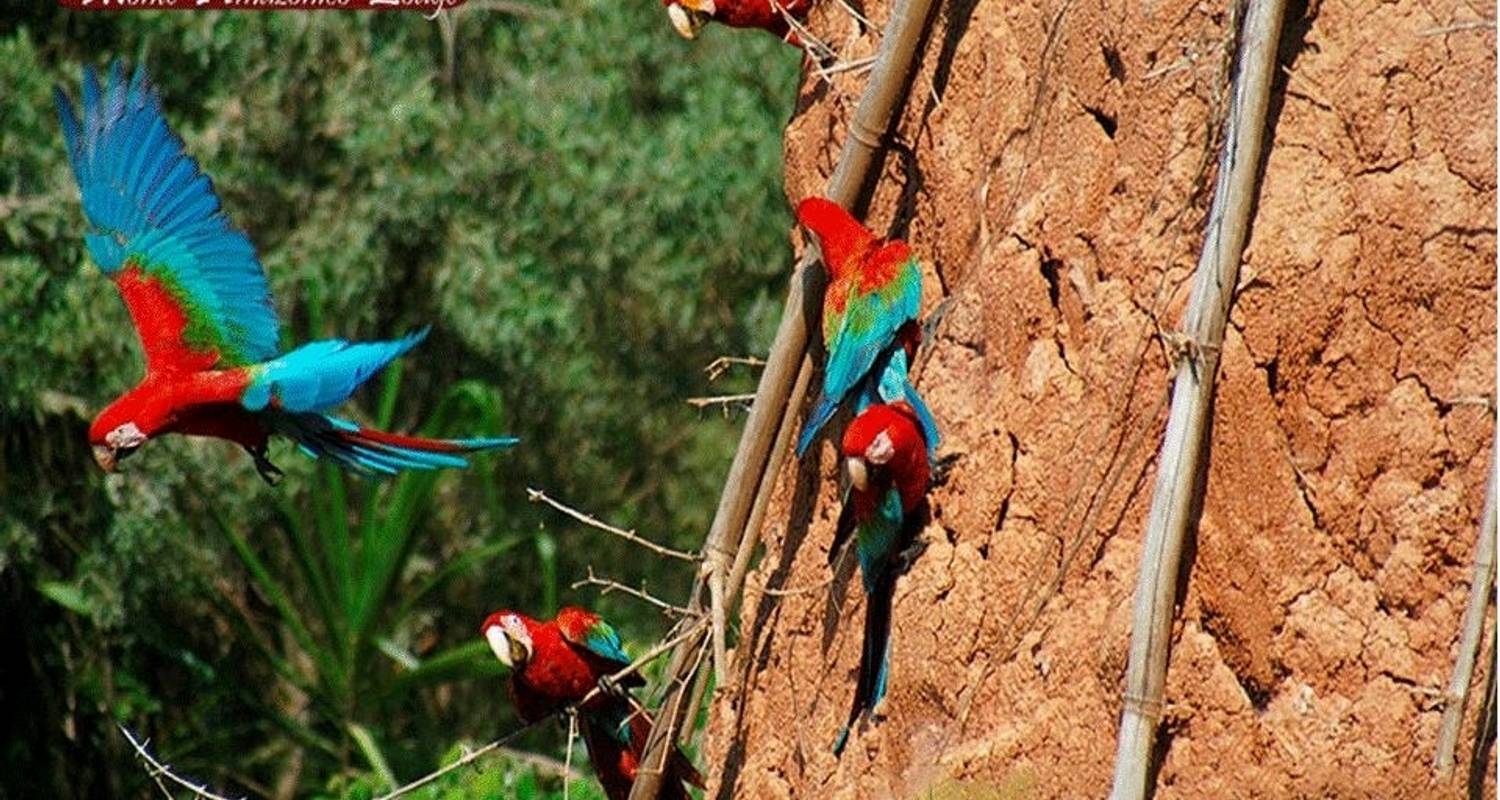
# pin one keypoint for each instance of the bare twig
(853, 65)
(817, 50)
(157, 770)
(568, 754)
(722, 364)
(541, 763)
(539, 496)
(724, 400)
(1457, 697)
(753, 472)
(606, 586)
(468, 757)
(1181, 460)
(854, 12)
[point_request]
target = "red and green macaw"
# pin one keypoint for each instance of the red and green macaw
(870, 327)
(557, 663)
(885, 456)
(202, 309)
(689, 16)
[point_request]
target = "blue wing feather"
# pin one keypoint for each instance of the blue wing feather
(605, 642)
(320, 375)
(854, 350)
(147, 202)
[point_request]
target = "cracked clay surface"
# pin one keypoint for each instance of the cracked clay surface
(1053, 167)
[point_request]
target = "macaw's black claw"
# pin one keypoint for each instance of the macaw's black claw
(609, 686)
(269, 472)
(908, 557)
(942, 468)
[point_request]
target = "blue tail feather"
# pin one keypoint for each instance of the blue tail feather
(368, 451)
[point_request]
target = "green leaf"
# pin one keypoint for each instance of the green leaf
(69, 596)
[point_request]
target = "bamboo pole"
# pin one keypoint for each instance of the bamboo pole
(753, 472)
(1181, 459)
(1457, 697)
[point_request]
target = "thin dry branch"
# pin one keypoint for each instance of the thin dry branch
(539, 496)
(1457, 697)
(754, 471)
(607, 585)
(543, 764)
(157, 770)
(568, 754)
(722, 364)
(1181, 461)
(722, 400)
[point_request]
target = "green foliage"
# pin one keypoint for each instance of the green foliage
(494, 777)
(585, 208)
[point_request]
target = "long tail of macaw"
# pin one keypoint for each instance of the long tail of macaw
(368, 450)
(615, 735)
(292, 391)
(874, 657)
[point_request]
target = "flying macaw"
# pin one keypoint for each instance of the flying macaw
(689, 16)
(886, 460)
(557, 663)
(870, 327)
(202, 309)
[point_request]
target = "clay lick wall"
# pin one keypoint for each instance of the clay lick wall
(1054, 166)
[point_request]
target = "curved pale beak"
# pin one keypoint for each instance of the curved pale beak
(859, 474)
(689, 16)
(499, 645)
(104, 457)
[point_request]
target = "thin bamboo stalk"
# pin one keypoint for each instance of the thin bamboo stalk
(752, 473)
(1181, 459)
(1457, 697)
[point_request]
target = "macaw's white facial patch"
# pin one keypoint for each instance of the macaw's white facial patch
(859, 475)
(499, 644)
(881, 450)
(127, 435)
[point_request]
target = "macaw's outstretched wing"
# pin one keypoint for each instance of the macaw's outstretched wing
(589, 631)
(191, 281)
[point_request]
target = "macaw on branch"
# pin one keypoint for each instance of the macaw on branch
(886, 459)
(557, 663)
(689, 16)
(202, 309)
(870, 328)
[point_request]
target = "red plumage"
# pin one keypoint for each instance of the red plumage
(907, 466)
(557, 663)
(688, 16)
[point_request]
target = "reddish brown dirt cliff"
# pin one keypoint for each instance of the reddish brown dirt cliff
(1055, 166)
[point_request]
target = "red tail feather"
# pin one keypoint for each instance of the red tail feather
(409, 442)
